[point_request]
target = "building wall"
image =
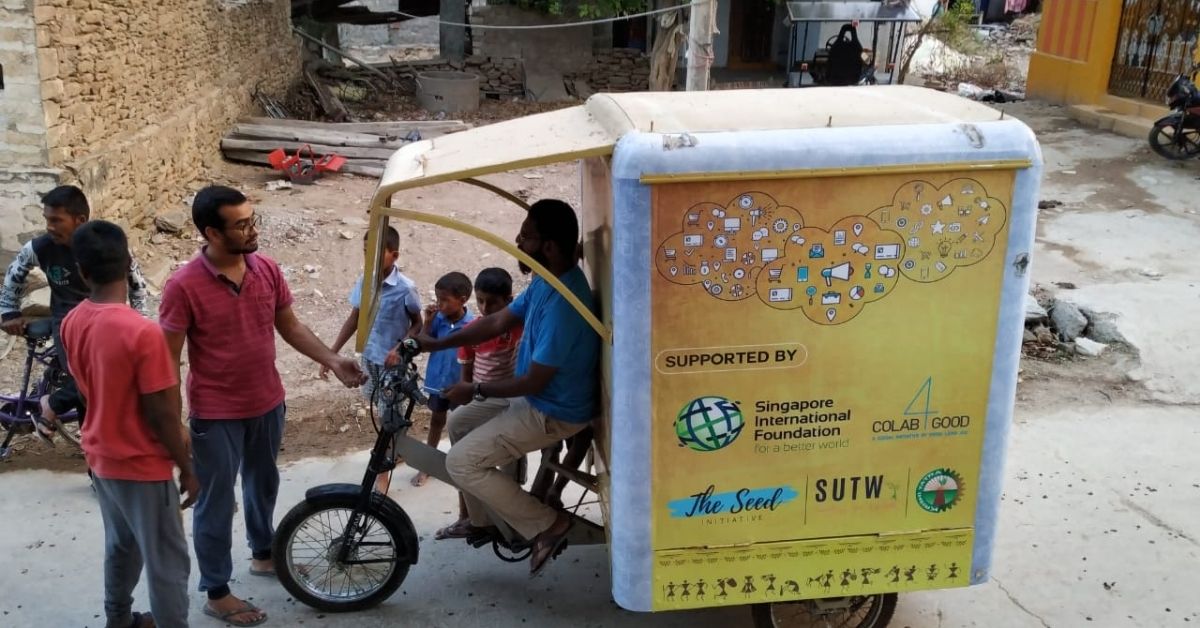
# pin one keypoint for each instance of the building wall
(562, 49)
(138, 94)
(23, 154)
(1074, 51)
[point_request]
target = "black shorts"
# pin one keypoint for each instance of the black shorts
(438, 403)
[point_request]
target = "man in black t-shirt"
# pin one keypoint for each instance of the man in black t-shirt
(65, 208)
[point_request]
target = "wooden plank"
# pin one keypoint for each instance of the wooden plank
(398, 128)
(266, 146)
(314, 136)
(368, 167)
(328, 101)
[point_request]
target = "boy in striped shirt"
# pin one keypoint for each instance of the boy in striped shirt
(490, 361)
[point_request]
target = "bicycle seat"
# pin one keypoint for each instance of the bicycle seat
(38, 329)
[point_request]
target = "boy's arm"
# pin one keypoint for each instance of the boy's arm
(482, 329)
(466, 360)
(14, 288)
(348, 328)
(468, 372)
(415, 324)
(162, 414)
(430, 314)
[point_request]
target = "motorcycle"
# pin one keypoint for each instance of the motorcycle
(1177, 135)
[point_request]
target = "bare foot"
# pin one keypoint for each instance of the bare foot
(383, 482)
(235, 611)
(420, 479)
(262, 567)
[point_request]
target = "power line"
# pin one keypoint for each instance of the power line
(560, 25)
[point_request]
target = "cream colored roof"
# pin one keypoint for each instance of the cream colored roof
(594, 128)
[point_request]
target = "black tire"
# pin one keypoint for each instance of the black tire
(299, 578)
(1163, 138)
(879, 610)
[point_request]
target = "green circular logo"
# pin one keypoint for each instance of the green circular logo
(709, 423)
(939, 490)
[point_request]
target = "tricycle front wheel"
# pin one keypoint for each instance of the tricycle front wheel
(312, 540)
(865, 611)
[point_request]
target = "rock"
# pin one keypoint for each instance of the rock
(1067, 320)
(1151, 273)
(310, 269)
(156, 273)
(172, 221)
(317, 293)
(1102, 327)
(279, 184)
(346, 235)
(1090, 348)
(1050, 204)
(1033, 310)
(1029, 337)
(36, 304)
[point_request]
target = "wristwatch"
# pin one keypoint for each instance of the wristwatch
(479, 396)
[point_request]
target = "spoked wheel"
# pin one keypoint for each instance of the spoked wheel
(869, 611)
(1170, 139)
(71, 432)
(308, 555)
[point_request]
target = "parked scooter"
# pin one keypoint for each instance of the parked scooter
(1177, 135)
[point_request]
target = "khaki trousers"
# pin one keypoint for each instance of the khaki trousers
(485, 437)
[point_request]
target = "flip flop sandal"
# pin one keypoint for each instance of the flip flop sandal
(458, 530)
(245, 608)
(38, 424)
(556, 547)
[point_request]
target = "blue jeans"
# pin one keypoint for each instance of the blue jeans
(220, 449)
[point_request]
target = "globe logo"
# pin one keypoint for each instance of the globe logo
(709, 423)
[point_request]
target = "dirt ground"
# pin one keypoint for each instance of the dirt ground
(315, 233)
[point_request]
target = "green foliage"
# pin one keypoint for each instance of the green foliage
(955, 27)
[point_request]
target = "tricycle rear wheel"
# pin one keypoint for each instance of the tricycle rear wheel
(865, 611)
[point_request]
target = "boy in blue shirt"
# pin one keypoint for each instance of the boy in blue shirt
(443, 318)
(399, 315)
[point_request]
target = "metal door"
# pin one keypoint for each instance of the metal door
(1157, 42)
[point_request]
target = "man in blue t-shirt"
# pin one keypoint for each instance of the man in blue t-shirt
(552, 394)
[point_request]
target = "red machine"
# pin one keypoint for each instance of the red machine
(304, 169)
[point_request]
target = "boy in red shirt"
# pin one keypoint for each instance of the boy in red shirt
(491, 361)
(133, 438)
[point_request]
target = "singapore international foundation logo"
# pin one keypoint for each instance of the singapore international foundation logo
(709, 423)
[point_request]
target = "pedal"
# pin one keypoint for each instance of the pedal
(479, 540)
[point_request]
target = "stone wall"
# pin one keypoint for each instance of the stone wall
(563, 49)
(499, 77)
(616, 70)
(137, 93)
(23, 155)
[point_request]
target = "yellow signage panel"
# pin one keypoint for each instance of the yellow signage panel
(779, 572)
(824, 346)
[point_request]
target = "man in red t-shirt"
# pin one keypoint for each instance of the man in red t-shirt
(133, 437)
(226, 304)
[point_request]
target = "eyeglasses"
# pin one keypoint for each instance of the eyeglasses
(248, 224)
